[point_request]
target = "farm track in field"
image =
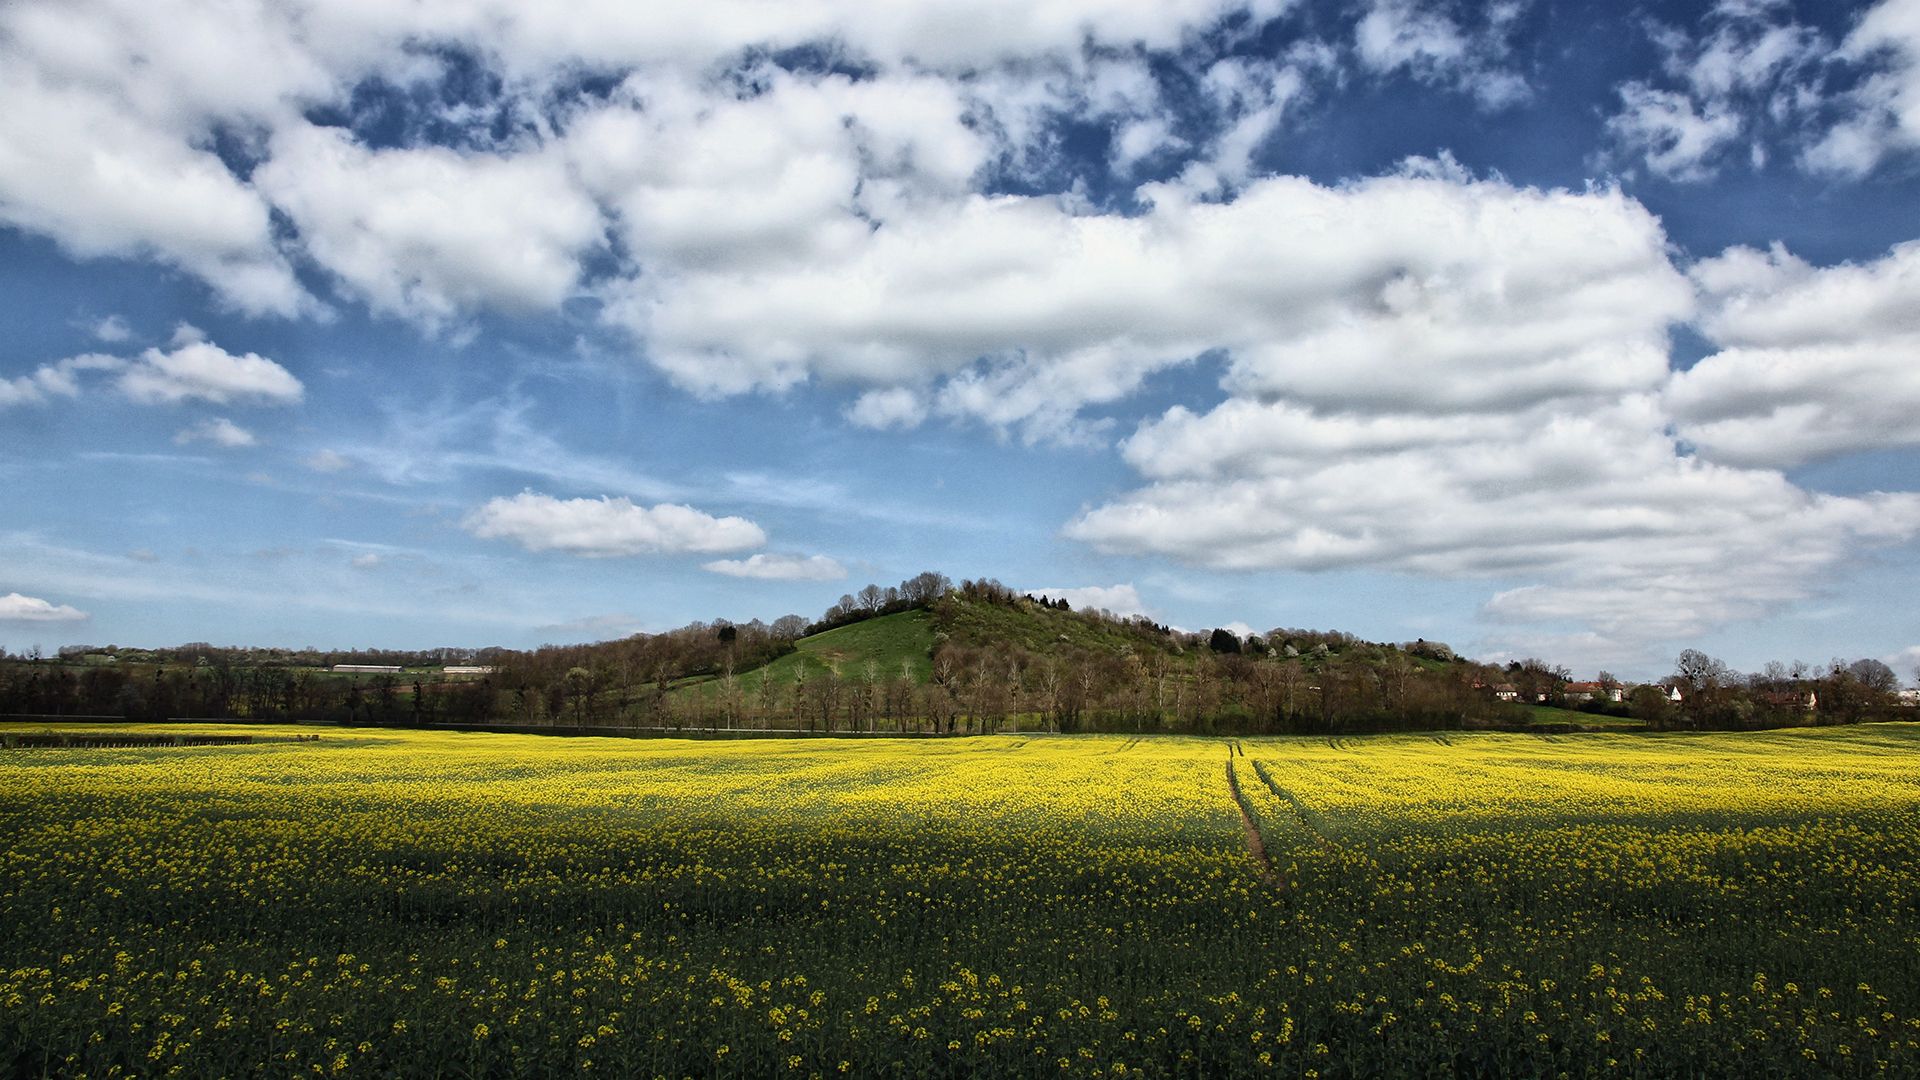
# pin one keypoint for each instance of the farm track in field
(1299, 812)
(1262, 865)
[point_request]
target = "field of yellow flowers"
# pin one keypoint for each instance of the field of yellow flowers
(462, 905)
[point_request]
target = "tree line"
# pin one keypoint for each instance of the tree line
(999, 660)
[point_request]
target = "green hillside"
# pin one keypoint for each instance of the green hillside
(1038, 629)
(888, 642)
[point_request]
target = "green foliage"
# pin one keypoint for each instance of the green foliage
(1553, 714)
(888, 642)
(1041, 630)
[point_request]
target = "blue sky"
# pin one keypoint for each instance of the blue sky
(1538, 327)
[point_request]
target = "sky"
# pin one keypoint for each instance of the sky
(1574, 330)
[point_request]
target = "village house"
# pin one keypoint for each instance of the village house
(1587, 691)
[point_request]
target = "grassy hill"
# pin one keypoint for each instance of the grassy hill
(905, 637)
(905, 641)
(888, 642)
(1035, 628)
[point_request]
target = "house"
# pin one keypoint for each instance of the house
(1587, 691)
(1790, 698)
(368, 669)
(1910, 698)
(468, 669)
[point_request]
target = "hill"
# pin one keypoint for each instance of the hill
(893, 645)
(1017, 622)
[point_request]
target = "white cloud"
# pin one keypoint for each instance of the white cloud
(1882, 113)
(1397, 33)
(1351, 293)
(367, 561)
(1250, 98)
(1596, 512)
(899, 407)
(702, 181)
(1428, 43)
(1906, 664)
(111, 328)
(1676, 136)
(327, 461)
(1140, 139)
(1120, 599)
(178, 132)
(433, 233)
(774, 567)
(107, 144)
(59, 379)
(219, 431)
(1752, 78)
(606, 527)
(1816, 361)
(17, 608)
(201, 370)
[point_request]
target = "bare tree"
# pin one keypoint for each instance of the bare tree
(925, 587)
(1050, 687)
(870, 692)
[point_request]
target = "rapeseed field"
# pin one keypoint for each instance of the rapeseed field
(464, 905)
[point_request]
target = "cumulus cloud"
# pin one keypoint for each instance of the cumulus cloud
(1675, 135)
(432, 233)
(898, 407)
(219, 431)
(713, 181)
(31, 609)
(1609, 525)
(203, 371)
(111, 328)
(1249, 98)
(605, 527)
(768, 566)
(135, 129)
(1882, 114)
(1353, 292)
(1426, 41)
(1817, 361)
(1751, 76)
(58, 379)
(1120, 599)
(193, 369)
(1463, 425)
(1750, 79)
(84, 168)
